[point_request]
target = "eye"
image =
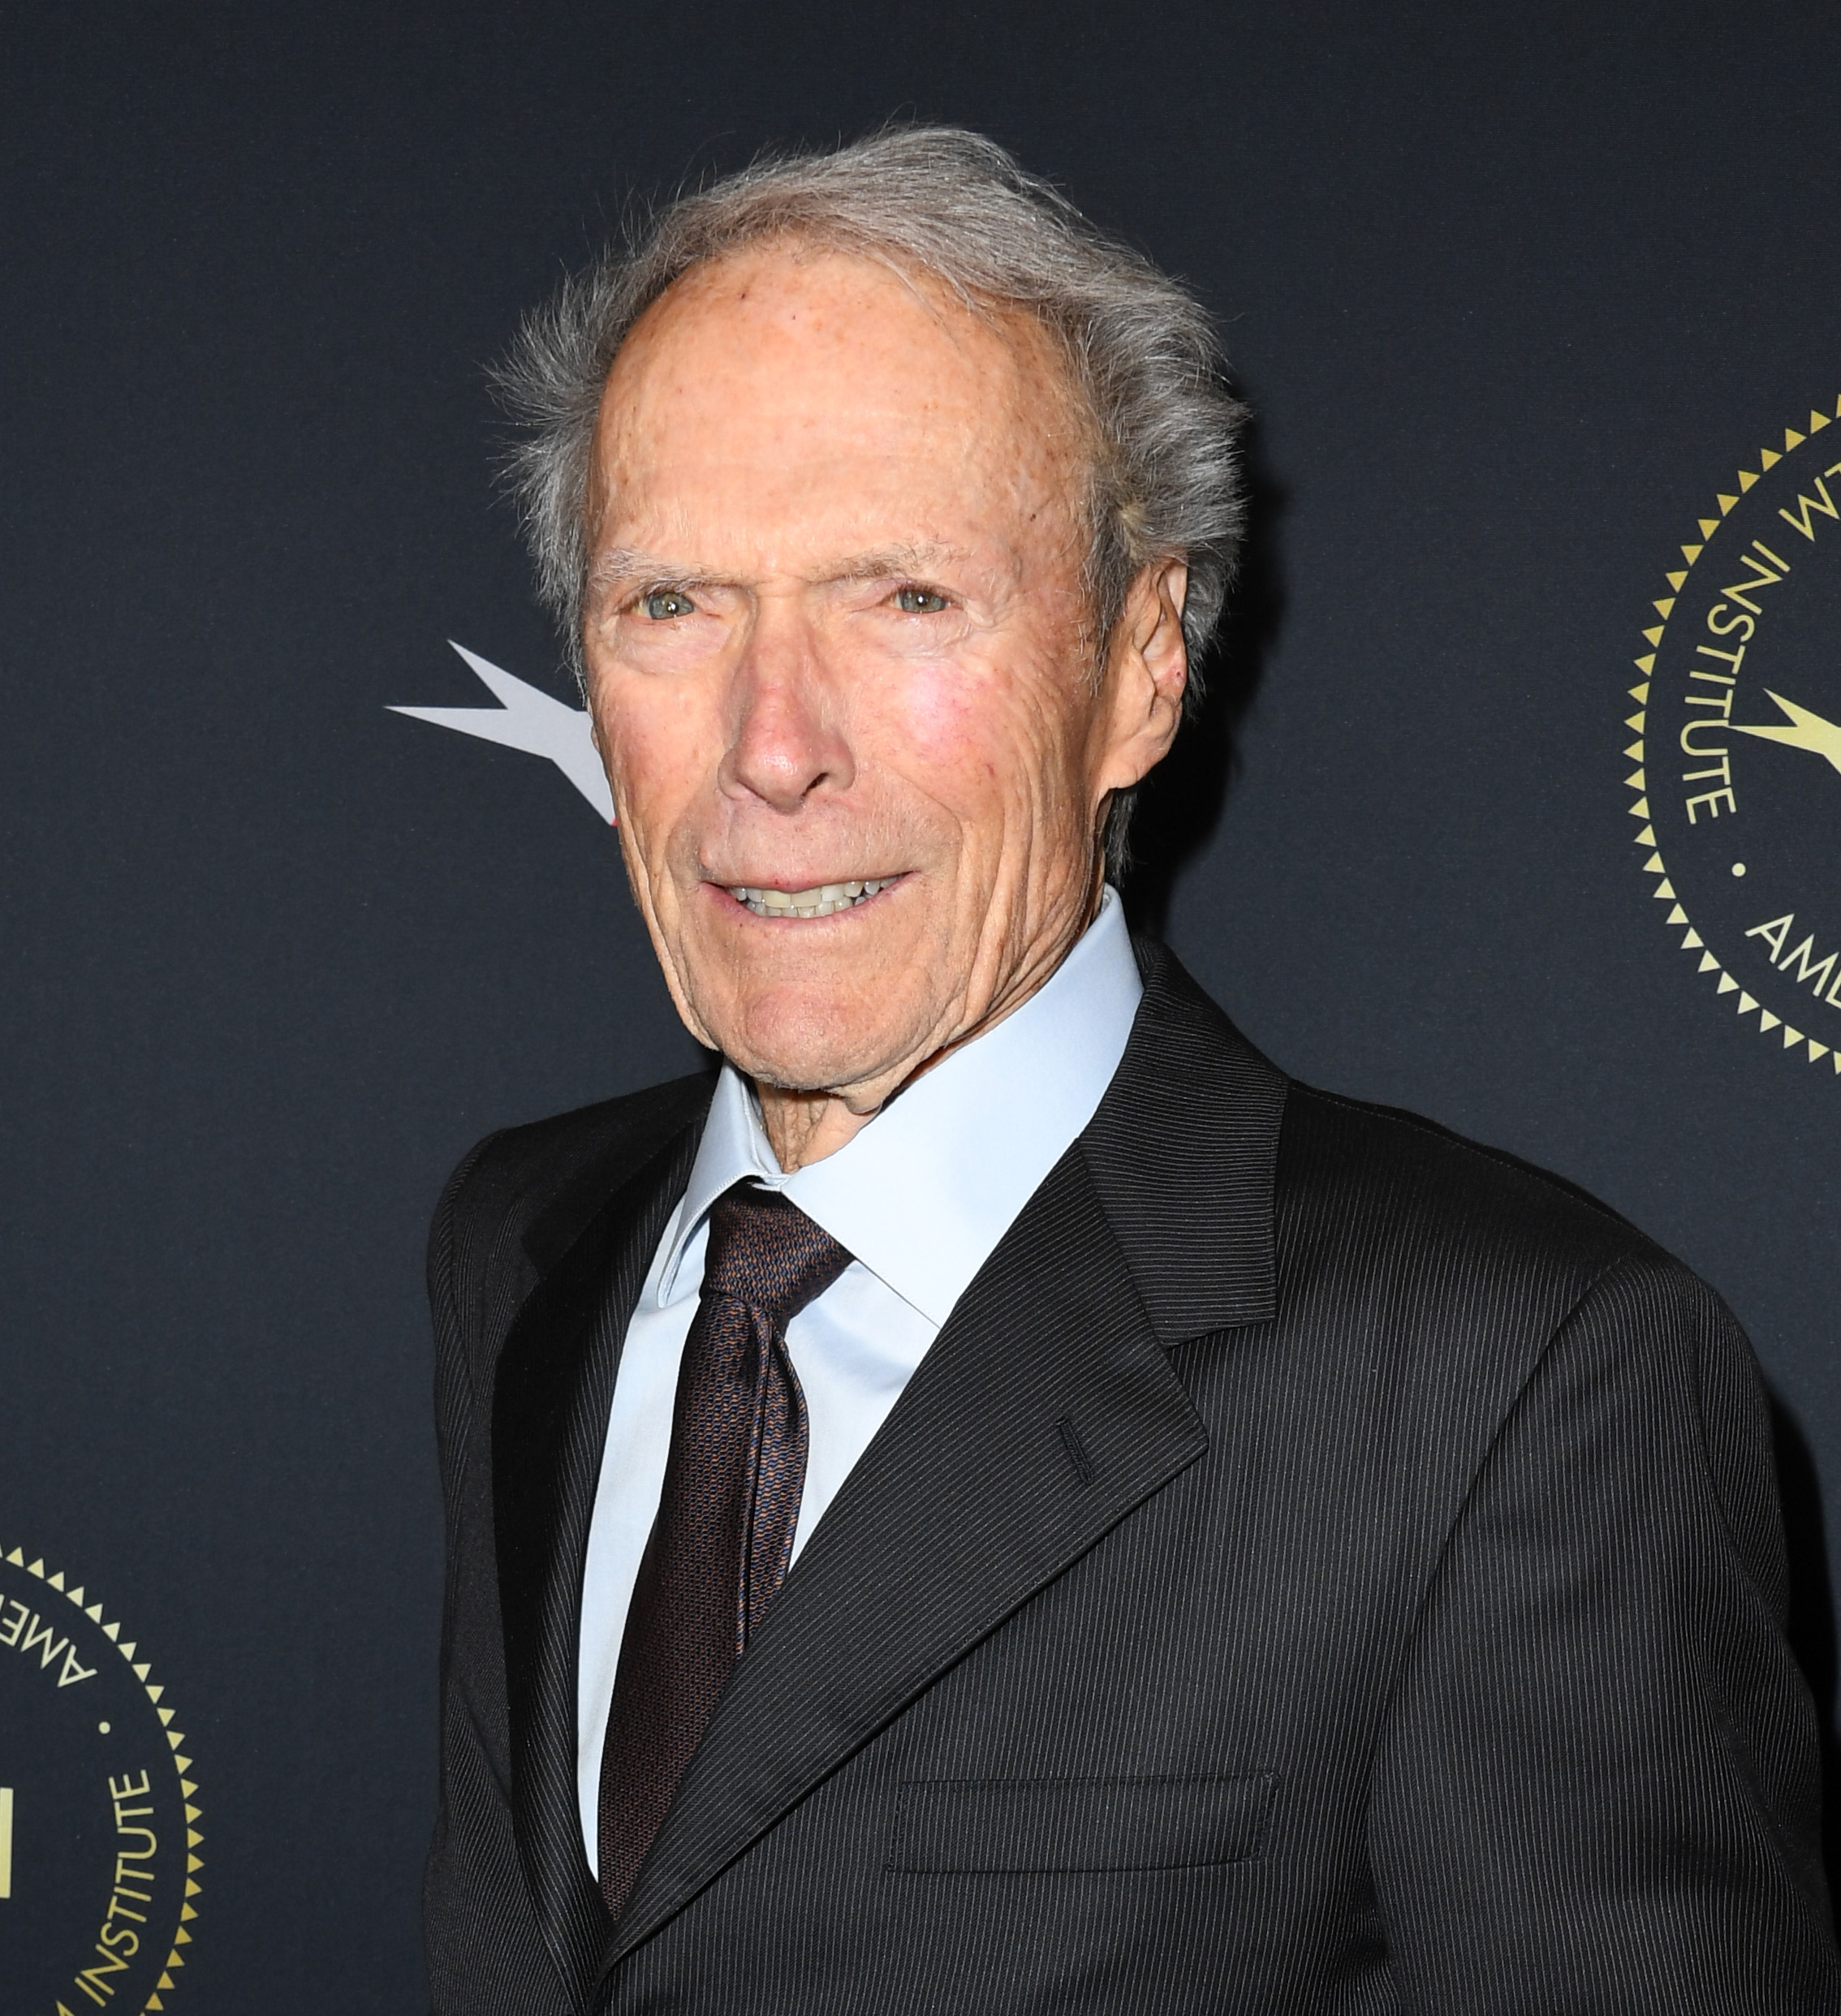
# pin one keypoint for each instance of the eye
(919, 601)
(661, 605)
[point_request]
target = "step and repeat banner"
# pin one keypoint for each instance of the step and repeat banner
(1517, 801)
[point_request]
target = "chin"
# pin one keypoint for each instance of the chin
(809, 1040)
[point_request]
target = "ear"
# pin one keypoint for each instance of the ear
(1146, 676)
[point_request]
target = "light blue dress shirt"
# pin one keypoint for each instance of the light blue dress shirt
(920, 1197)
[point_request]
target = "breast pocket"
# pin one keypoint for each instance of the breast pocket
(1024, 1826)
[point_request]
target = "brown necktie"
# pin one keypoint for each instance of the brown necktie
(719, 1548)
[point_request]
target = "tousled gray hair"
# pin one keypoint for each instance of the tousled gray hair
(1142, 352)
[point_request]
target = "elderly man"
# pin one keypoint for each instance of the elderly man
(998, 1499)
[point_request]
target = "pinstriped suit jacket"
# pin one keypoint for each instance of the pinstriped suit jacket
(1321, 1566)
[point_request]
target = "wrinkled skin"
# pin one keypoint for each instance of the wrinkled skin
(836, 631)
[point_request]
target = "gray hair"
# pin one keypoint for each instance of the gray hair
(1142, 352)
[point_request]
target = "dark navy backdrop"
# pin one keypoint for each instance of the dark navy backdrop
(1514, 290)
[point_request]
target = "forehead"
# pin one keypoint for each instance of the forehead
(786, 378)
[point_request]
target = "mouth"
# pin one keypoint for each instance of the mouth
(824, 900)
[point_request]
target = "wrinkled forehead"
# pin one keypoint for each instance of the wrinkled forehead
(788, 356)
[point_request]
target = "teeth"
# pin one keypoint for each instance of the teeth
(821, 901)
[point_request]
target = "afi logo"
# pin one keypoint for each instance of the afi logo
(527, 719)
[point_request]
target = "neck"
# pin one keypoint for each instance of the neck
(806, 1126)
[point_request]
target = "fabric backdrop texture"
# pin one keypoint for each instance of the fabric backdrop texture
(1540, 316)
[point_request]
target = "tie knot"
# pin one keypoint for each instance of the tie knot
(763, 1250)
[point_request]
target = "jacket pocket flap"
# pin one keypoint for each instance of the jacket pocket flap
(1019, 1826)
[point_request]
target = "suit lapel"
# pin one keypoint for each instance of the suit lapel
(1046, 1412)
(553, 1390)
(1184, 1152)
(968, 1501)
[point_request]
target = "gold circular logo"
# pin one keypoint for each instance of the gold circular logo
(1737, 752)
(99, 1818)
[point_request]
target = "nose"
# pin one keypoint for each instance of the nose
(787, 741)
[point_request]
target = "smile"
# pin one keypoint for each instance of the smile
(821, 901)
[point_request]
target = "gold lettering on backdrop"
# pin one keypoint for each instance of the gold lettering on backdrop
(91, 1980)
(25, 1631)
(1712, 800)
(1805, 506)
(84, 1715)
(1727, 829)
(1763, 569)
(1757, 577)
(117, 1942)
(1811, 972)
(1773, 933)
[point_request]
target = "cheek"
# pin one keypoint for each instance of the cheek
(999, 746)
(655, 757)
(967, 735)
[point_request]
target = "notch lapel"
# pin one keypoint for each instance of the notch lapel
(553, 1388)
(1185, 1152)
(1157, 1226)
(968, 1501)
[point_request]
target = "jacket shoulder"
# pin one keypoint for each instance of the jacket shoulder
(523, 1183)
(1392, 1204)
(1378, 1155)
(521, 1170)
(1448, 1286)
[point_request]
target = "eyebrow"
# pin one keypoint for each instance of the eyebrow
(890, 562)
(619, 565)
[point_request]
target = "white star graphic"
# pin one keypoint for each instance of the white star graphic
(1806, 730)
(531, 720)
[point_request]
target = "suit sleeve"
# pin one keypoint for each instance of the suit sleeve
(461, 1754)
(1595, 1790)
(474, 1944)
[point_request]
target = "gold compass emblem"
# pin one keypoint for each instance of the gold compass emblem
(100, 1863)
(1738, 749)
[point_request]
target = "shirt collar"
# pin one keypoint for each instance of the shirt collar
(923, 1194)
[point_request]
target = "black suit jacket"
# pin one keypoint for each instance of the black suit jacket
(1321, 1565)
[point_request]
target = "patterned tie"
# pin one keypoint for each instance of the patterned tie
(719, 1548)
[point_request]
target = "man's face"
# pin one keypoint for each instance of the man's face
(838, 662)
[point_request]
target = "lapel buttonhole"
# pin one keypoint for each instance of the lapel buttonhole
(1076, 1448)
